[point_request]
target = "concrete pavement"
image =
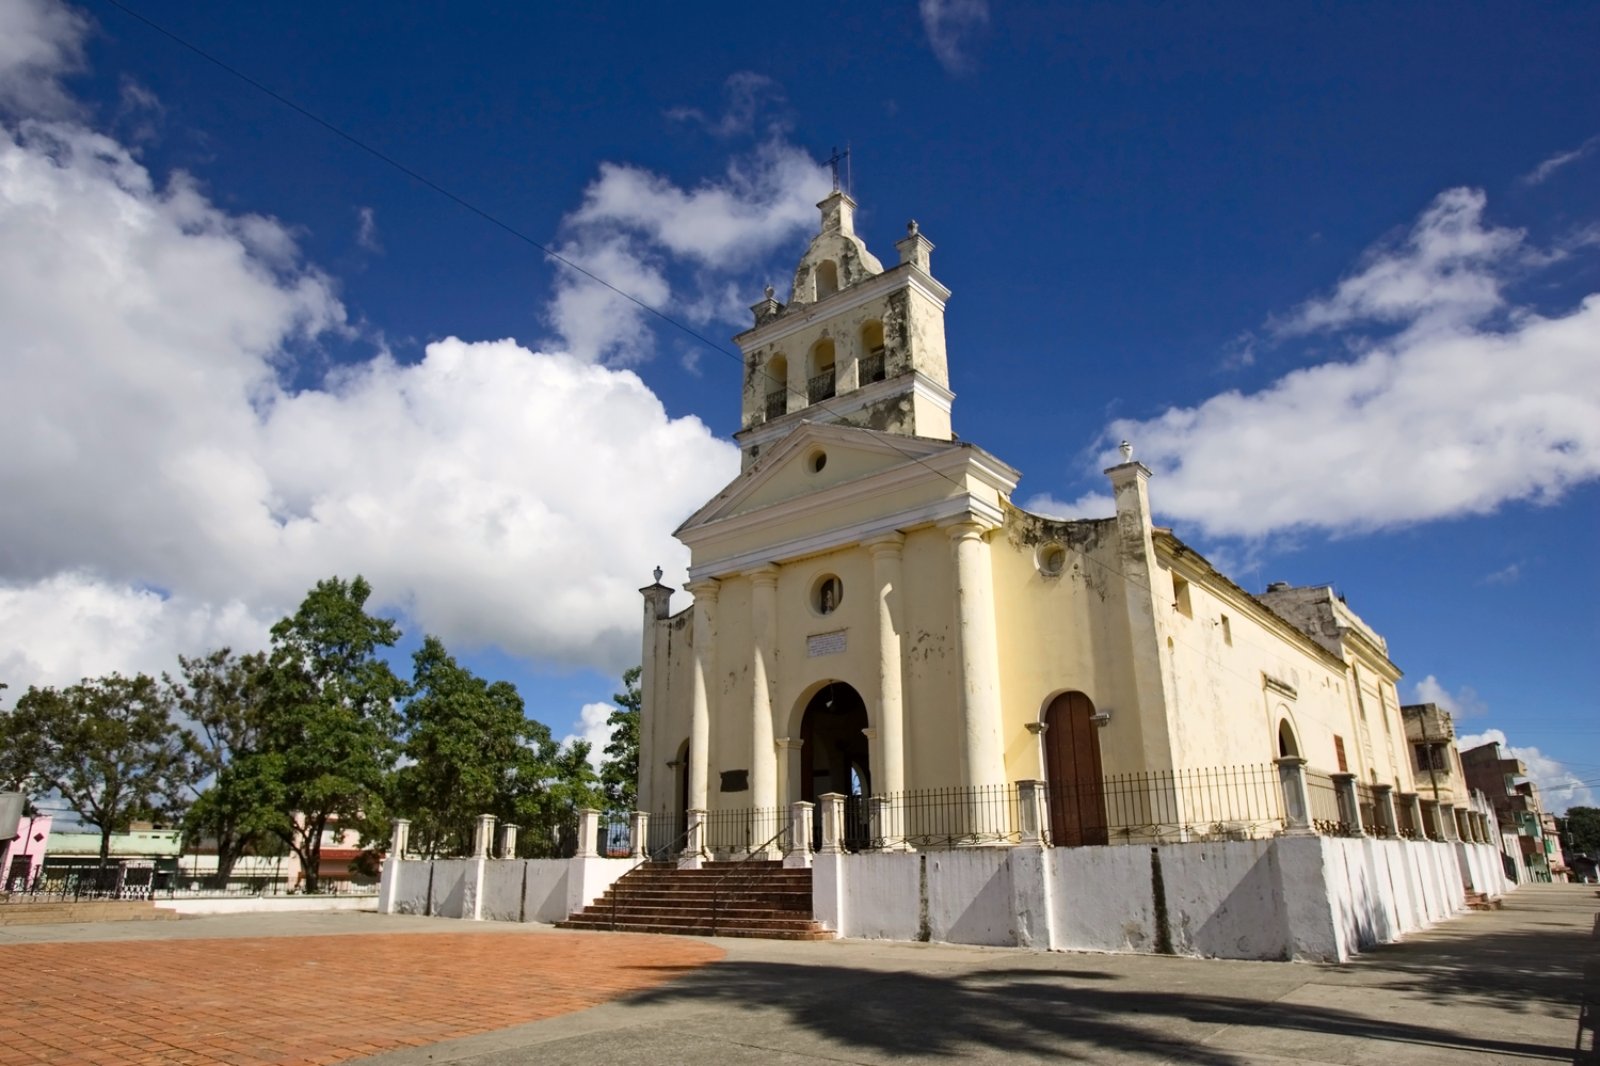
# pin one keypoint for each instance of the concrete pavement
(1499, 986)
(328, 988)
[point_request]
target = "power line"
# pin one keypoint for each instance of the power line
(487, 216)
(513, 231)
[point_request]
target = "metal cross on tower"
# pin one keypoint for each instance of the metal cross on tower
(834, 160)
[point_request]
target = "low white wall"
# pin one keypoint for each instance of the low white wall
(501, 890)
(1310, 897)
(267, 904)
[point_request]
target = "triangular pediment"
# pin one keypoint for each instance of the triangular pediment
(813, 460)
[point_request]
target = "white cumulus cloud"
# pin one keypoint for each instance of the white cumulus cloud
(1449, 416)
(167, 490)
(1463, 703)
(951, 25)
(592, 727)
(635, 225)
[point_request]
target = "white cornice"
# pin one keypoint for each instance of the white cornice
(955, 507)
(905, 275)
(836, 408)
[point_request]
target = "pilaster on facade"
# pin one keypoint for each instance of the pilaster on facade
(886, 552)
(703, 691)
(978, 655)
(1145, 600)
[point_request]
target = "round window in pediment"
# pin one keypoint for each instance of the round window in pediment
(1051, 559)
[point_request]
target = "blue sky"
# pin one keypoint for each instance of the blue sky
(1326, 267)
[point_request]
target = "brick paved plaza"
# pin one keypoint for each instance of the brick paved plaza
(1503, 986)
(310, 999)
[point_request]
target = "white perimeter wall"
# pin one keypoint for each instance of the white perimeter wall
(1319, 898)
(501, 890)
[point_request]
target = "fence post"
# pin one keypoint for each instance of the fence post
(588, 833)
(1447, 815)
(508, 840)
(832, 823)
(399, 837)
(640, 831)
(1296, 800)
(1349, 803)
(799, 855)
(694, 848)
(1388, 822)
(483, 835)
(1030, 812)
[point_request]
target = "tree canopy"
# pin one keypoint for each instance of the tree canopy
(1581, 828)
(109, 747)
(619, 773)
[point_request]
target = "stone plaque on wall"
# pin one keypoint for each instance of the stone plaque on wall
(735, 780)
(825, 644)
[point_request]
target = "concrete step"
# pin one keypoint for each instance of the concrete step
(761, 933)
(83, 911)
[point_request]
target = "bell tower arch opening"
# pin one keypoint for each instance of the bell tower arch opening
(827, 276)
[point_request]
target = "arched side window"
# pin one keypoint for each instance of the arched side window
(872, 364)
(777, 392)
(827, 278)
(820, 377)
(1288, 745)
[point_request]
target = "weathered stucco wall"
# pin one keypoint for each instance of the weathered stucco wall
(1315, 898)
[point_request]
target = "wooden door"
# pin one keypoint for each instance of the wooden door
(1072, 765)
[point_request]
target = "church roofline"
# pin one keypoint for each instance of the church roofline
(915, 451)
(1199, 566)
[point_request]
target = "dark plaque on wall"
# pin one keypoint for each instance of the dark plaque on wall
(736, 780)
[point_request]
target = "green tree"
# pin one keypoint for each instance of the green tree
(109, 747)
(1581, 830)
(619, 772)
(472, 751)
(548, 805)
(328, 732)
(224, 696)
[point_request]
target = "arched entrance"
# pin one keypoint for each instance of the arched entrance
(1072, 767)
(835, 755)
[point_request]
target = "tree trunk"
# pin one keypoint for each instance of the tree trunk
(105, 856)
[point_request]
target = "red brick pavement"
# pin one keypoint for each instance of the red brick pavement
(309, 1000)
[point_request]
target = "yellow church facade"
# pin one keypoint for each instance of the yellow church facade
(872, 616)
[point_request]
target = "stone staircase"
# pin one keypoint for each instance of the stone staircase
(1479, 901)
(750, 899)
(84, 911)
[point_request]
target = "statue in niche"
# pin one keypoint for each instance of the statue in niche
(828, 596)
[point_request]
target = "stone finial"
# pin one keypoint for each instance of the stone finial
(769, 292)
(1126, 448)
(658, 571)
(914, 248)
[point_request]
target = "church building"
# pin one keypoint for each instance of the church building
(872, 616)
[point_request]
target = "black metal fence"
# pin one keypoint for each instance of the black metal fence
(1213, 803)
(1327, 812)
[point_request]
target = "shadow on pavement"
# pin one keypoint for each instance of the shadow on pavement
(1055, 1014)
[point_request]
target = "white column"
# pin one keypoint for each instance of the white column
(891, 715)
(983, 759)
(799, 854)
(508, 840)
(704, 689)
(763, 751)
(1296, 799)
(832, 822)
(640, 833)
(482, 839)
(588, 833)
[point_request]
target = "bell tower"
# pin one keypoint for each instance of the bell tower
(856, 344)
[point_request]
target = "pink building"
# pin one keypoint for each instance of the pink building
(23, 856)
